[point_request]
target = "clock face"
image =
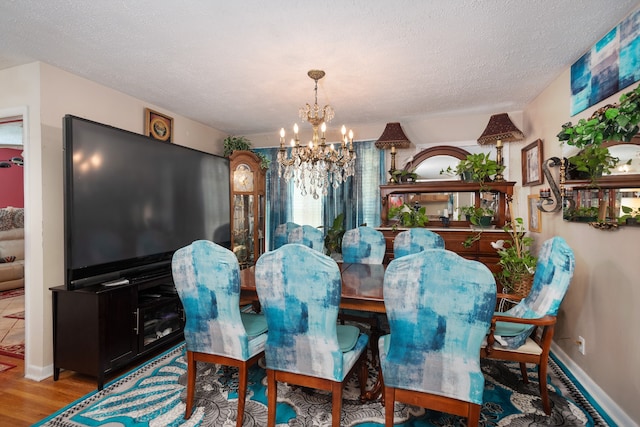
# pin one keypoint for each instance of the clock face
(243, 178)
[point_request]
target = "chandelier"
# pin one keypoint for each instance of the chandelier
(316, 165)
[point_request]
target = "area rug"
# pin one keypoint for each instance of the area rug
(12, 293)
(18, 315)
(154, 395)
(6, 366)
(13, 350)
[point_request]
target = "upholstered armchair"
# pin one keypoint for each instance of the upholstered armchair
(363, 245)
(281, 235)
(415, 240)
(439, 307)
(308, 236)
(524, 332)
(306, 346)
(207, 278)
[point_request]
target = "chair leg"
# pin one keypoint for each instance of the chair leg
(242, 392)
(363, 374)
(191, 383)
(544, 394)
(523, 370)
(389, 402)
(336, 403)
(272, 390)
(473, 419)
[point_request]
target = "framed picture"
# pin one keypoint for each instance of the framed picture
(158, 125)
(532, 163)
(535, 214)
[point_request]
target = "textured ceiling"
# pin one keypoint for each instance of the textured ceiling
(240, 66)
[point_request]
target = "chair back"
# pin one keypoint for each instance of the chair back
(439, 307)
(281, 235)
(415, 240)
(308, 236)
(554, 270)
(363, 245)
(207, 278)
(299, 290)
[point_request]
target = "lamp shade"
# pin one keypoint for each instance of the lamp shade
(500, 127)
(393, 136)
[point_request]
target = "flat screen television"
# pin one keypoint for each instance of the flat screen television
(131, 201)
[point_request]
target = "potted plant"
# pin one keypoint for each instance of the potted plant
(242, 143)
(517, 262)
(481, 217)
(609, 123)
(630, 216)
(404, 176)
(408, 216)
(582, 214)
(333, 237)
(475, 168)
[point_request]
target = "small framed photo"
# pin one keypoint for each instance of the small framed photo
(532, 163)
(535, 214)
(158, 126)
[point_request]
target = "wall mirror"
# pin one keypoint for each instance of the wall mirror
(429, 162)
(613, 199)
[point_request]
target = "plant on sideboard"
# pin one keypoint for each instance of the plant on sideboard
(475, 168)
(404, 176)
(517, 262)
(409, 216)
(630, 216)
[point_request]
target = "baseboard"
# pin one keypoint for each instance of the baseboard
(610, 407)
(38, 373)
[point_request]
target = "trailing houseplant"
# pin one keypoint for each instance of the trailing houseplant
(630, 216)
(242, 143)
(476, 168)
(517, 262)
(402, 175)
(477, 215)
(618, 122)
(408, 216)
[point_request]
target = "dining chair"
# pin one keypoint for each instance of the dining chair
(207, 278)
(281, 235)
(309, 236)
(524, 333)
(306, 346)
(363, 245)
(439, 307)
(415, 240)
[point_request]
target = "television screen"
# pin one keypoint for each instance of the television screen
(131, 201)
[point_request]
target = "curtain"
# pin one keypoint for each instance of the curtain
(358, 198)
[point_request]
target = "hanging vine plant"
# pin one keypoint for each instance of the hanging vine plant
(618, 122)
(242, 143)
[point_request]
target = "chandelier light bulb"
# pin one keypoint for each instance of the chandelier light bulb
(281, 132)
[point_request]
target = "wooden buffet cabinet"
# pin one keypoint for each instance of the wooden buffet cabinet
(446, 197)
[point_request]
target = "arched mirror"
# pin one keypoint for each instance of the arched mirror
(428, 163)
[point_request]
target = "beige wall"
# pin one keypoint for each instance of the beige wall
(602, 302)
(49, 93)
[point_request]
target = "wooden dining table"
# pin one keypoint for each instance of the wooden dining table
(361, 291)
(361, 286)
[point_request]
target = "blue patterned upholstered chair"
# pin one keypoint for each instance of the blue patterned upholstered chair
(309, 236)
(524, 332)
(305, 345)
(439, 307)
(363, 245)
(281, 235)
(415, 240)
(207, 278)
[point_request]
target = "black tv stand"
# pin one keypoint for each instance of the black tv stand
(98, 329)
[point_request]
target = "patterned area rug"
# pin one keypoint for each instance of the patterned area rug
(18, 315)
(6, 366)
(13, 350)
(154, 395)
(12, 293)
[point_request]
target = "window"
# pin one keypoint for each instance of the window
(306, 209)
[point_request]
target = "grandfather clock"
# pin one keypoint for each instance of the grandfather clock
(247, 207)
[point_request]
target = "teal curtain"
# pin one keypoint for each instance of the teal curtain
(358, 198)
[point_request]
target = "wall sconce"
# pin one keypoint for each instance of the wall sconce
(556, 196)
(500, 129)
(393, 136)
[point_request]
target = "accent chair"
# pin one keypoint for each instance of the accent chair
(309, 236)
(415, 240)
(306, 346)
(524, 332)
(439, 307)
(207, 278)
(281, 235)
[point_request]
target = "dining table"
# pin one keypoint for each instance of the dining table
(361, 291)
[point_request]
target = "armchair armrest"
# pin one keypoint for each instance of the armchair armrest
(544, 321)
